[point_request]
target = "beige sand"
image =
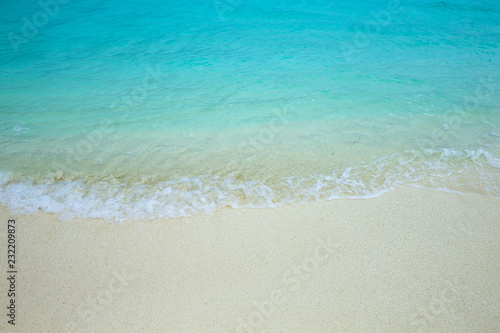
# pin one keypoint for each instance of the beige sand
(410, 260)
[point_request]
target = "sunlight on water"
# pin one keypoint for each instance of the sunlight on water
(127, 110)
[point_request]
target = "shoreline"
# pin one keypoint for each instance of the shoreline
(410, 260)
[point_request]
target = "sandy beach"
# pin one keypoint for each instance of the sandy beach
(411, 260)
(250, 166)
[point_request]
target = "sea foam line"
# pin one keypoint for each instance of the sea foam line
(471, 171)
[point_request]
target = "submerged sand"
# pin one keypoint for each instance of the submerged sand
(411, 260)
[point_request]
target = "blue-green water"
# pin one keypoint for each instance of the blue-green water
(141, 110)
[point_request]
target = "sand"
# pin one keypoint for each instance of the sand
(411, 260)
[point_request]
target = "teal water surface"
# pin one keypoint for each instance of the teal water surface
(141, 110)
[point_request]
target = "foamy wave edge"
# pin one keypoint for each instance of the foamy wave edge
(207, 194)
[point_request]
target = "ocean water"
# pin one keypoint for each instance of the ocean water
(128, 110)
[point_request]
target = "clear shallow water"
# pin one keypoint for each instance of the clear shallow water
(132, 110)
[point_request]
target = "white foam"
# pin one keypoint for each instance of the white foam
(490, 159)
(19, 127)
(444, 170)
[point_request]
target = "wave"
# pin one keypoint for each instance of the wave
(468, 171)
(466, 8)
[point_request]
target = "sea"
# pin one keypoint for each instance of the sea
(143, 110)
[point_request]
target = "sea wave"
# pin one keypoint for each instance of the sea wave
(468, 172)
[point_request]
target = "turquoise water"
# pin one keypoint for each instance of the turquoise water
(141, 110)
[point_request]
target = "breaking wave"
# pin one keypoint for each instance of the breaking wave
(468, 171)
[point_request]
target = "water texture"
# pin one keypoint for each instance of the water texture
(130, 110)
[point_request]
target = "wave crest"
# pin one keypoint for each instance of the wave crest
(469, 171)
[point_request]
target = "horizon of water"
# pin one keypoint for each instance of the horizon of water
(132, 110)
